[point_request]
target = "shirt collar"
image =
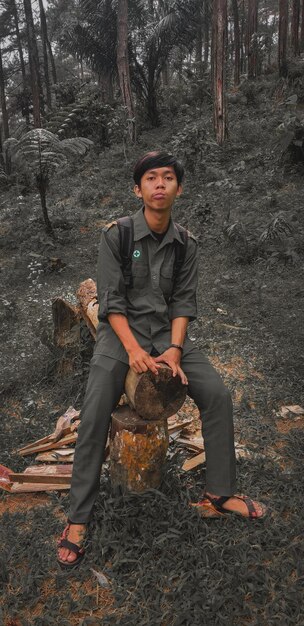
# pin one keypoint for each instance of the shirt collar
(141, 229)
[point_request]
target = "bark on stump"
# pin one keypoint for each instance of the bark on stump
(155, 397)
(138, 451)
(66, 334)
(139, 438)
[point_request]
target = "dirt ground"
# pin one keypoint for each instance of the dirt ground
(250, 325)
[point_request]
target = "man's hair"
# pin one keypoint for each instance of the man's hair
(153, 160)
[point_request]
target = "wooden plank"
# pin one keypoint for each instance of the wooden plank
(7, 484)
(64, 426)
(59, 474)
(71, 438)
(178, 426)
(66, 455)
(191, 444)
(194, 462)
(30, 488)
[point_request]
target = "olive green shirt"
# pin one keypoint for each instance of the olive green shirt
(153, 301)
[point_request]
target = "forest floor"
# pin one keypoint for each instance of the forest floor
(166, 565)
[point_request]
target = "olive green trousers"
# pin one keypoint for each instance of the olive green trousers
(104, 388)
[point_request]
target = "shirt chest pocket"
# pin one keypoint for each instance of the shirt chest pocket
(140, 273)
(166, 279)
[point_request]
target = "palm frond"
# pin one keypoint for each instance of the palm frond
(77, 146)
(277, 230)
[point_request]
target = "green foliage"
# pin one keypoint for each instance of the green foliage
(190, 142)
(291, 137)
(41, 153)
(3, 176)
(89, 117)
(276, 242)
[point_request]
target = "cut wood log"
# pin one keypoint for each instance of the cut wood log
(87, 297)
(154, 397)
(137, 451)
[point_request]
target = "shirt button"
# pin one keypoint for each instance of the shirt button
(154, 277)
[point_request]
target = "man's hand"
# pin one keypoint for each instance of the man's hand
(140, 361)
(172, 357)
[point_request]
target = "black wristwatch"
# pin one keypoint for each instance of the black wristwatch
(176, 345)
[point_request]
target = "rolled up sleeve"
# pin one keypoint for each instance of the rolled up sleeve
(183, 299)
(111, 288)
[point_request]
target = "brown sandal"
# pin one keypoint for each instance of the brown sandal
(73, 547)
(213, 507)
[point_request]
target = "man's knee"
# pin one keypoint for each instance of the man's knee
(213, 395)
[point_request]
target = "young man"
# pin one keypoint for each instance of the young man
(140, 326)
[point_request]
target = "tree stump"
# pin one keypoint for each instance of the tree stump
(138, 450)
(66, 334)
(155, 397)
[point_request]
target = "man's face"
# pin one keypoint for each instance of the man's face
(158, 188)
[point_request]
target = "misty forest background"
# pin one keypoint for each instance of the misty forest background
(86, 87)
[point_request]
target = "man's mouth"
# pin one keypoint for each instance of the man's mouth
(158, 196)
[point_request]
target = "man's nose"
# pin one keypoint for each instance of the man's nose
(160, 182)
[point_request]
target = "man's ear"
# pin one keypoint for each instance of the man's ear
(137, 191)
(179, 190)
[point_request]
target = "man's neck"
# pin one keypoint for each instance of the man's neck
(156, 220)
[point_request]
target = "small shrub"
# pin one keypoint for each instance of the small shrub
(276, 242)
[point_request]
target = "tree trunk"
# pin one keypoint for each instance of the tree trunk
(243, 37)
(199, 44)
(237, 42)
(5, 125)
(22, 64)
(123, 64)
(33, 63)
(42, 192)
(219, 27)
(302, 28)
(283, 34)
(206, 33)
(53, 66)
(252, 29)
(295, 22)
(45, 55)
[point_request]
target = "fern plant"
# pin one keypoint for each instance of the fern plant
(42, 153)
(274, 240)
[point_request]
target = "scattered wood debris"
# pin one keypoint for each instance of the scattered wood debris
(64, 434)
(291, 411)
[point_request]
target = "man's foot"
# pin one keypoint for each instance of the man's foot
(70, 545)
(214, 506)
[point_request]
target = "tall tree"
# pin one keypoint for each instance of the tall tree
(219, 34)
(123, 64)
(295, 22)
(252, 29)
(237, 42)
(206, 32)
(44, 38)
(14, 11)
(302, 28)
(33, 63)
(283, 35)
(5, 125)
